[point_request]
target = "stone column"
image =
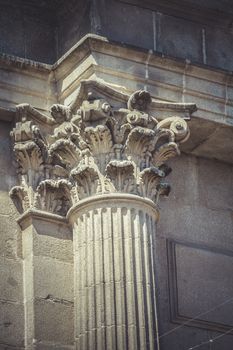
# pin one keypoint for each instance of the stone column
(102, 168)
(114, 272)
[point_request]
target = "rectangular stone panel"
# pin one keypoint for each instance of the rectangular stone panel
(201, 286)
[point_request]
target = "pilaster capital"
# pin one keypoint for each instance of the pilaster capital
(102, 143)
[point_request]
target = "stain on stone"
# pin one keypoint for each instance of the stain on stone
(7, 324)
(50, 297)
(12, 282)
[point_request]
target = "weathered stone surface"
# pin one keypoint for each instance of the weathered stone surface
(215, 185)
(117, 250)
(47, 280)
(128, 17)
(11, 324)
(180, 38)
(24, 29)
(11, 277)
(53, 278)
(53, 321)
(204, 223)
(92, 148)
(52, 345)
(96, 165)
(48, 246)
(9, 235)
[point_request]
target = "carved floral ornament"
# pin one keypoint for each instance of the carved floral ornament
(92, 148)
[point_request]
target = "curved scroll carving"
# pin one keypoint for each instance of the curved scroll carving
(139, 100)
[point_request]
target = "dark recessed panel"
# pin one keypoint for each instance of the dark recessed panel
(201, 286)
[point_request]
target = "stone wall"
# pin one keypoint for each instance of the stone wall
(197, 32)
(194, 252)
(193, 259)
(27, 31)
(11, 265)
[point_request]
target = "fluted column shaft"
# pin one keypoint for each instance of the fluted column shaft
(115, 306)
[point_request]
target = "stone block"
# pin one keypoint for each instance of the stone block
(204, 86)
(215, 181)
(221, 150)
(37, 33)
(172, 79)
(8, 236)
(73, 27)
(196, 224)
(11, 277)
(180, 38)
(6, 205)
(52, 345)
(215, 107)
(206, 286)
(5, 148)
(54, 321)
(12, 31)
(12, 324)
(129, 24)
(53, 246)
(53, 278)
(183, 180)
(121, 65)
(219, 45)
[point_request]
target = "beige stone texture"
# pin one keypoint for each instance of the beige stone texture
(86, 267)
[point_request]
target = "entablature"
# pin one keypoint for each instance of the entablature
(125, 69)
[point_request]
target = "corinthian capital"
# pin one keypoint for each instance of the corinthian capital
(94, 147)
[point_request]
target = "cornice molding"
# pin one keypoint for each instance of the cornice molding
(211, 122)
(96, 43)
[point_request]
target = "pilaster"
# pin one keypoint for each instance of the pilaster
(47, 273)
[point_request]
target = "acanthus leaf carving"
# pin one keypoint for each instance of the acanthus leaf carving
(165, 152)
(90, 147)
(87, 179)
(99, 139)
(66, 151)
(121, 176)
(149, 179)
(54, 196)
(139, 144)
(20, 198)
